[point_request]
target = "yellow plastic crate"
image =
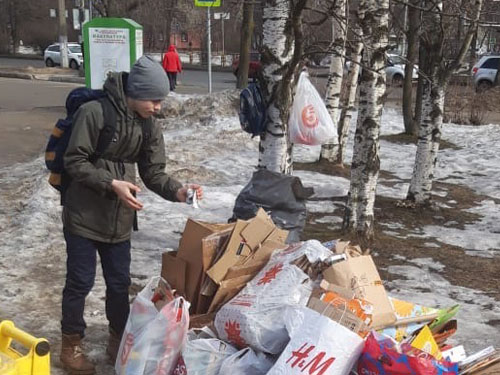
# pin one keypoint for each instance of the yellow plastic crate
(35, 362)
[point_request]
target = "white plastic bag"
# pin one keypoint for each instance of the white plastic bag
(152, 340)
(309, 123)
(204, 353)
(246, 362)
(255, 316)
(318, 345)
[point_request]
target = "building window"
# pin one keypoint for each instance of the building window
(184, 37)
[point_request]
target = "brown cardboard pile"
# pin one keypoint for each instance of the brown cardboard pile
(215, 261)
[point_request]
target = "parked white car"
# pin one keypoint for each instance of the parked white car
(485, 72)
(52, 55)
(395, 70)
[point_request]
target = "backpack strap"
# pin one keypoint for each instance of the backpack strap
(108, 131)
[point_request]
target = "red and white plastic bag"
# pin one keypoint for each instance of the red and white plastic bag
(309, 122)
(318, 346)
(153, 340)
(255, 316)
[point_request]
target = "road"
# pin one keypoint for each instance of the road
(28, 112)
(29, 109)
(190, 81)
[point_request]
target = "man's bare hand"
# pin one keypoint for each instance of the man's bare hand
(123, 190)
(182, 192)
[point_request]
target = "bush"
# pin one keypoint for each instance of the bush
(463, 105)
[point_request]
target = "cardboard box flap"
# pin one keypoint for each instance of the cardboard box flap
(235, 250)
(227, 290)
(278, 235)
(173, 269)
(251, 268)
(360, 275)
(264, 251)
(341, 316)
(257, 231)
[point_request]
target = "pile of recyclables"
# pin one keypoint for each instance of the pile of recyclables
(235, 299)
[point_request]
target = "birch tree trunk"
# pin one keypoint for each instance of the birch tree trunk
(348, 106)
(411, 127)
(330, 149)
(247, 27)
(281, 54)
(374, 20)
(433, 98)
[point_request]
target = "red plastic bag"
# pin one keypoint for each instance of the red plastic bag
(381, 357)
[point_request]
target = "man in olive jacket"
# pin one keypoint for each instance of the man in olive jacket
(101, 204)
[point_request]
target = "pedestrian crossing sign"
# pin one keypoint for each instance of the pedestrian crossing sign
(207, 3)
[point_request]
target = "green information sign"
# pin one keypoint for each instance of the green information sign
(207, 3)
(111, 45)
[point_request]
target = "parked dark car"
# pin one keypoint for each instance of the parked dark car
(253, 67)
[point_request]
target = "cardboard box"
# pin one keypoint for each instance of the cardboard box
(246, 239)
(173, 269)
(342, 316)
(190, 251)
(359, 274)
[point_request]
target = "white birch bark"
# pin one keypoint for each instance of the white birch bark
(373, 18)
(275, 149)
(433, 100)
(350, 100)
(330, 149)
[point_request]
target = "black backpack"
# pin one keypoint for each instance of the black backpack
(252, 110)
(58, 140)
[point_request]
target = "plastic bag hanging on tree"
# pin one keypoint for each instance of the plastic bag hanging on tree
(309, 122)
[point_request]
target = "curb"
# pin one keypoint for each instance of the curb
(16, 75)
(42, 77)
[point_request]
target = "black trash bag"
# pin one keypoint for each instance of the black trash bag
(280, 195)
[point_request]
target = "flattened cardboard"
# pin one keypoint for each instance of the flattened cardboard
(227, 290)
(264, 252)
(235, 250)
(173, 269)
(360, 275)
(257, 230)
(251, 268)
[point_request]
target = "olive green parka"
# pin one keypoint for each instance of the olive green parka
(91, 208)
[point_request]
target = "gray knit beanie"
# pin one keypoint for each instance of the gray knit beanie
(147, 80)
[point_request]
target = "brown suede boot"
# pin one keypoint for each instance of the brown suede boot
(72, 357)
(113, 345)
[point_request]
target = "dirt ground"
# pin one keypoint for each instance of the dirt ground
(460, 268)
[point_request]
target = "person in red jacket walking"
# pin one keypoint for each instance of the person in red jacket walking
(172, 65)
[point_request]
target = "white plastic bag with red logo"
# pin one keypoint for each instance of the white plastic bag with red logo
(309, 122)
(318, 346)
(153, 340)
(255, 316)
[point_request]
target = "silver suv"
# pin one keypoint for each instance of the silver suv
(52, 55)
(485, 71)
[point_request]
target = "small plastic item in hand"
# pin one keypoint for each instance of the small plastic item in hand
(192, 198)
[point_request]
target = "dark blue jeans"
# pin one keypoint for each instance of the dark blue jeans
(80, 275)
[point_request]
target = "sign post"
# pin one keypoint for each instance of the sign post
(222, 17)
(208, 4)
(111, 45)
